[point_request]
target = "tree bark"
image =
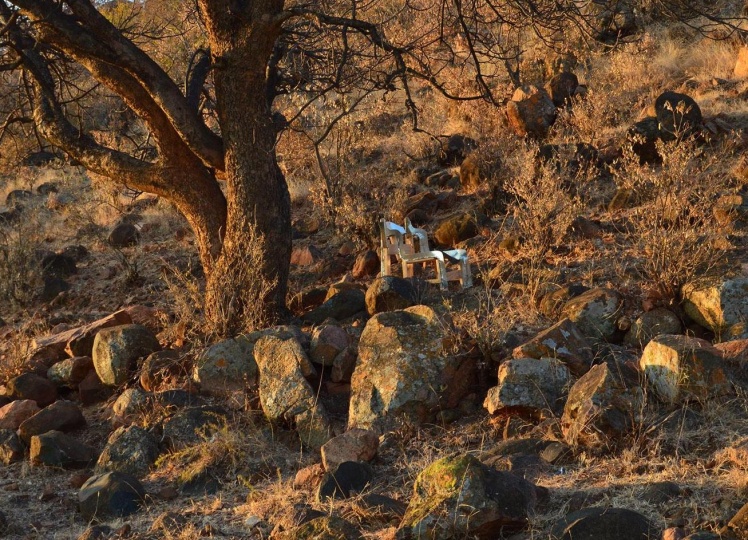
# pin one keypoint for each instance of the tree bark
(241, 43)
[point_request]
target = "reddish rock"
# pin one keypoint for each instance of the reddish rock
(367, 264)
(91, 390)
(145, 316)
(305, 256)
(309, 477)
(353, 445)
(60, 416)
(15, 413)
(327, 342)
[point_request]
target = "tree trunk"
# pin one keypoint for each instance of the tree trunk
(256, 191)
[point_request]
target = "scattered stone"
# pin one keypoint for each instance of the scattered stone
(161, 369)
(682, 368)
(328, 341)
(70, 372)
(563, 341)
(608, 523)
(34, 387)
(131, 403)
(651, 324)
(367, 264)
(18, 196)
(459, 497)
(15, 413)
(47, 188)
(595, 312)
(340, 306)
(343, 366)
(56, 449)
(353, 445)
(110, 495)
(11, 447)
(348, 478)
(58, 265)
(188, 427)
(529, 384)
(456, 150)
(384, 506)
(553, 301)
(390, 293)
(124, 235)
(91, 390)
(116, 350)
(531, 112)
(678, 116)
(643, 137)
(673, 533)
(60, 416)
(131, 450)
(285, 395)
(306, 256)
(308, 299)
(456, 229)
(228, 366)
(661, 492)
(561, 88)
(322, 528)
(601, 408)
(720, 306)
(406, 367)
(309, 477)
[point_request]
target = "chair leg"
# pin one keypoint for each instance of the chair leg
(384, 261)
(467, 278)
(407, 270)
(441, 270)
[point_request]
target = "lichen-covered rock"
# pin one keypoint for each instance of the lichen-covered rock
(341, 305)
(56, 449)
(228, 366)
(720, 306)
(327, 342)
(453, 230)
(651, 324)
(130, 450)
(595, 312)
(191, 426)
(110, 495)
(681, 368)
(406, 367)
(529, 384)
(71, 371)
(459, 497)
(11, 447)
(602, 407)
(390, 293)
(563, 341)
(116, 349)
(129, 404)
(285, 394)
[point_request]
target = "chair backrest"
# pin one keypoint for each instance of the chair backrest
(417, 238)
(391, 236)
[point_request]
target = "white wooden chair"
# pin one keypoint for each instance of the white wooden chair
(410, 246)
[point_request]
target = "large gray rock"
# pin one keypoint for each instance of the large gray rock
(651, 324)
(459, 497)
(721, 306)
(116, 350)
(190, 426)
(389, 293)
(678, 115)
(227, 366)
(111, 495)
(406, 367)
(71, 371)
(341, 305)
(681, 368)
(56, 449)
(595, 312)
(603, 406)
(11, 447)
(131, 450)
(563, 341)
(285, 394)
(529, 384)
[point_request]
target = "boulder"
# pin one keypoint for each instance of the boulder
(563, 341)
(643, 137)
(610, 20)
(162, 369)
(678, 116)
(346, 479)
(456, 150)
(681, 368)
(529, 384)
(56, 449)
(602, 407)
(607, 523)
(285, 394)
(116, 350)
(595, 312)
(228, 366)
(453, 230)
(650, 325)
(110, 495)
(70, 372)
(306, 256)
(60, 416)
(322, 528)
(720, 306)
(390, 293)
(190, 426)
(91, 390)
(328, 341)
(470, 173)
(367, 264)
(16, 412)
(343, 365)
(124, 235)
(459, 497)
(343, 304)
(17, 196)
(34, 387)
(406, 367)
(11, 447)
(561, 88)
(353, 445)
(131, 450)
(130, 404)
(531, 112)
(58, 265)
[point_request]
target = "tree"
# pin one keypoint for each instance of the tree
(258, 51)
